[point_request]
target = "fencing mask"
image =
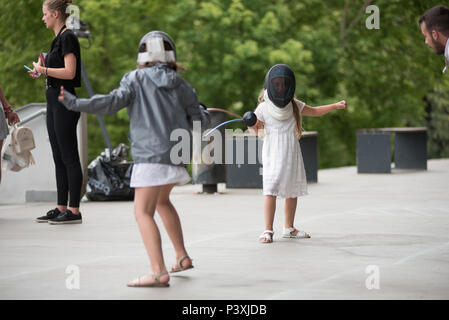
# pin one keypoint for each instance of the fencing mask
(159, 48)
(280, 84)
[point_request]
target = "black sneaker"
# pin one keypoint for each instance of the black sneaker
(50, 215)
(67, 217)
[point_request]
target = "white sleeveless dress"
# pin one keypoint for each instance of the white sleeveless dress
(284, 175)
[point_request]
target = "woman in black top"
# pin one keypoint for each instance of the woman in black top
(62, 67)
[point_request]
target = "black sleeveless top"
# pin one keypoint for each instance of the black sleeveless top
(63, 44)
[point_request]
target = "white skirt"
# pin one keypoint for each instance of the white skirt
(157, 174)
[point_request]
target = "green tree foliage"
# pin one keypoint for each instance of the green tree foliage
(437, 120)
(388, 76)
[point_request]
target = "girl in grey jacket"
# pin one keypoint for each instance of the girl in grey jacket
(158, 102)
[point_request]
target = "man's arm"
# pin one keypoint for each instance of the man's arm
(9, 113)
(3, 99)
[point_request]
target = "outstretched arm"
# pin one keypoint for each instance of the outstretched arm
(99, 103)
(322, 110)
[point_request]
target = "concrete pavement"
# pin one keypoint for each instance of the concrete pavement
(374, 236)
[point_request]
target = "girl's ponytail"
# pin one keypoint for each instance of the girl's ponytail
(298, 119)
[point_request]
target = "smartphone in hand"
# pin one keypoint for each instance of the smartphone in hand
(35, 73)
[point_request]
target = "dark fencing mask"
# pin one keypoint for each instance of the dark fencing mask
(280, 84)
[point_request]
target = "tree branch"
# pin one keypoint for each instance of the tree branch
(343, 29)
(359, 14)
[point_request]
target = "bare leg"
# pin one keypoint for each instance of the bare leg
(269, 210)
(144, 207)
(172, 224)
(61, 208)
(290, 211)
(74, 210)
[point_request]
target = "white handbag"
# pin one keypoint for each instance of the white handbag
(22, 139)
(17, 155)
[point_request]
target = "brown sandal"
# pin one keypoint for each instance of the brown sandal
(179, 267)
(137, 283)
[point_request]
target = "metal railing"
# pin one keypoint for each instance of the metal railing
(32, 117)
(31, 105)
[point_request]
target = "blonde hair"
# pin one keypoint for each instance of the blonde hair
(296, 114)
(60, 6)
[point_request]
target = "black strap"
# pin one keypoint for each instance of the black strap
(62, 29)
(54, 41)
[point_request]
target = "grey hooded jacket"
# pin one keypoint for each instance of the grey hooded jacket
(158, 101)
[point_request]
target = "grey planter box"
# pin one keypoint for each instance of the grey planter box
(374, 149)
(244, 169)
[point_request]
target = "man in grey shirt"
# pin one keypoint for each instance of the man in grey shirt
(435, 28)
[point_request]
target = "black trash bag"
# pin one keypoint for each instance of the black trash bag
(109, 175)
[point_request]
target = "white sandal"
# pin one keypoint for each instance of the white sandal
(300, 235)
(268, 235)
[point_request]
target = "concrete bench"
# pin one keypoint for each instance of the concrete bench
(374, 149)
(244, 169)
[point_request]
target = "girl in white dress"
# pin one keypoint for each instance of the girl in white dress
(279, 116)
